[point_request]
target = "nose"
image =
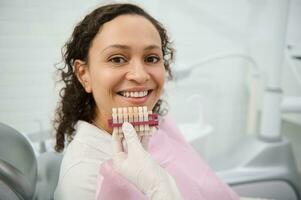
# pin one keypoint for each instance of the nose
(138, 73)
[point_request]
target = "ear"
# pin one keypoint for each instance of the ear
(82, 73)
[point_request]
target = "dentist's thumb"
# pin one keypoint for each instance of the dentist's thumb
(131, 137)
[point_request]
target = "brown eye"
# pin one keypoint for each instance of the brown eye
(152, 59)
(117, 60)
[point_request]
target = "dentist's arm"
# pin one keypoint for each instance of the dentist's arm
(138, 167)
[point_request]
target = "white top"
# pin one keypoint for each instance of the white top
(80, 165)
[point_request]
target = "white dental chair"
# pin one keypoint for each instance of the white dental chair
(22, 175)
(18, 165)
(48, 173)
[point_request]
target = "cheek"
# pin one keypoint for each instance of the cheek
(160, 77)
(105, 79)
(102, 85)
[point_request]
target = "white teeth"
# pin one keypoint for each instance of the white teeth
(134, 94)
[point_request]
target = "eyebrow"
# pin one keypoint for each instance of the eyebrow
(152, 47)
(120, 46)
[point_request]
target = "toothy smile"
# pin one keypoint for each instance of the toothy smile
(131, 94)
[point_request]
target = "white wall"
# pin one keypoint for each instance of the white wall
(33, 31)
(31, 35)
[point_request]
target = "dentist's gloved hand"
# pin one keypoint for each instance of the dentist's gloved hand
(139, 168)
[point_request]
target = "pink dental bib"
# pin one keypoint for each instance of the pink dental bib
(195, 180)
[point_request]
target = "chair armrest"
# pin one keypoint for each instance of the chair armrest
(16, 180)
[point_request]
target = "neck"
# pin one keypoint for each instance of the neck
(102, 126)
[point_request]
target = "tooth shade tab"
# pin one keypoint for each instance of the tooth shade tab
(139, 117)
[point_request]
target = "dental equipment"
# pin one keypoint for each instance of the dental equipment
(18, 165)
(139, 117)
(255, 77)
(264, 166)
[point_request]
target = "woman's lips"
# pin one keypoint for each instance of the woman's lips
(136, 100)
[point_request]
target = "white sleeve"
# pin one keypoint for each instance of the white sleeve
(78, 182)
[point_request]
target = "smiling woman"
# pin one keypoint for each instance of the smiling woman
(93, 49)
(124, 66)
(119, 56)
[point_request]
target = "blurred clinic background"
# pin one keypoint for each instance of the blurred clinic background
(232, 59)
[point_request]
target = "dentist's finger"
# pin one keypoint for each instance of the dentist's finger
(116, 142)
(145, 141)
(131, 137)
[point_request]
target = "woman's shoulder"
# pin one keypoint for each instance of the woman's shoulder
(79, 171)
(88, 149)
(81, 154)
(77, 180)
(78, 157)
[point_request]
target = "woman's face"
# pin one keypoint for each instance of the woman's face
(125, 66)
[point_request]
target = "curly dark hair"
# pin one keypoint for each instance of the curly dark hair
(75, 103)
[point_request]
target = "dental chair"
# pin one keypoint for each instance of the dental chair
(18, 165)
(23, 176)
(48, 173)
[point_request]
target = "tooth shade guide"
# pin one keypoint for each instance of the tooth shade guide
(131, 114)
(125, 115)
(136, 119)
(153, 121)
(114, 119)
(139, 117)
(120, 118)
(145, 117)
